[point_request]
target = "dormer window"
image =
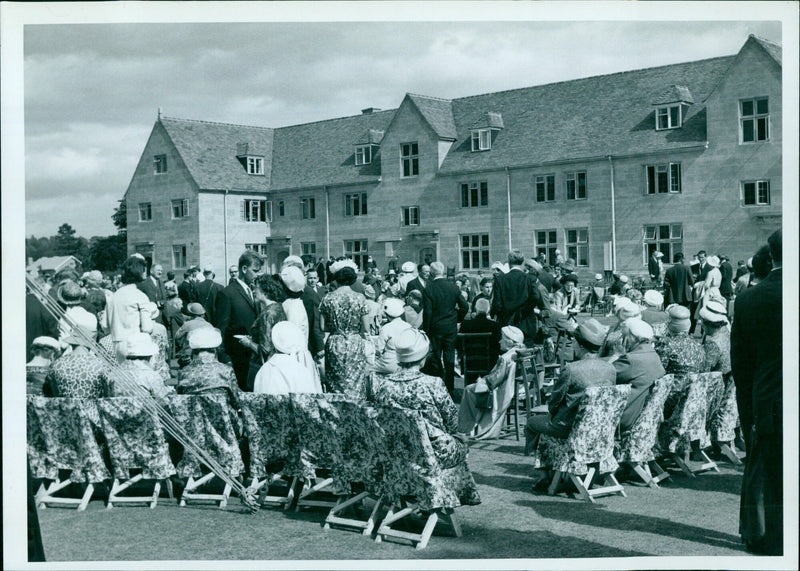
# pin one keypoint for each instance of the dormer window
(255, 165)
(363, 155)
(668, 117)
(672, 106)
(481, 140)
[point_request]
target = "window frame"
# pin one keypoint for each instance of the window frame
(149, 217)
(255, 165)
(659, 243)
(474, 194)
(575, 177)
(481, 140)
(757, 187)
(411, 158)
(548, 247)
(184, 254)
(304, 248)
(669, 170)
(545, 179)
(482, 249)
(256, 210)
(160, 164)
(308, 208)
(260, 248)
(578, 245)
(669, 119)
(359, 256)
(355, 201)
(406, 218)
(755, 117)
(366, 155)
(184, 204)
(281, 209)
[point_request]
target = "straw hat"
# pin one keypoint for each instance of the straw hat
(411, 346)
(69, 293)
(408, 267)
(45, 341)
(653, 298)
(639, 329)
(512, 333)
(713, 261)
(679, 319)
(714, 312)
(590, 332)
(195, 308)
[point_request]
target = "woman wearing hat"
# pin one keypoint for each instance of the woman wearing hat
(205, 374)
(294, 282)
(269, 295)
(291, 369)
(70, 296)
(343, 314)
(710, 287)
(412, 311)
(136, 370)
(374, 311)
(386, 357)
(195, 319)
(45, 350)
(623, 309)
(78, 373)
(411, 389)
(128, 313)
(484, 403)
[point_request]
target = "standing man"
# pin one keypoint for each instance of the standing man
(421, 280)
(187, 291)
(235, 313)
(654, 266)
(678, 283)
(516, 300)
(726, 287)
(153, 287)
(442, 308)
(207, 292)
(757, 365)
(233, 273)
(312, 278)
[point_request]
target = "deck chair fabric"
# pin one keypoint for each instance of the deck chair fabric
(688, 421)
(268, 424)
(725, 418)
(591, 440)
(134, 438)
(61, 436)
(636, 445)
(212, 424)
(490, 421)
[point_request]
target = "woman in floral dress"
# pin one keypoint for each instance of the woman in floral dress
(269, 296)
(343, 314)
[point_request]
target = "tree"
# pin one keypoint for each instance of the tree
(120, 218)
(66, 243)
(106, 253)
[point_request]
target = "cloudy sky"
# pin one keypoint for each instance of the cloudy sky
(92, 91)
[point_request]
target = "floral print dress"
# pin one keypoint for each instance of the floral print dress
(346, 366)
(680, 355)
(724, 414)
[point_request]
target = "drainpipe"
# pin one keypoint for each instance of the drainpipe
(225, 229)
(327, 224)
(613, 219)
(508, 202)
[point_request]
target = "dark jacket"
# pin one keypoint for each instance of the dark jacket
(639, 368)
(207, 293)
(757, 354)
(726, 287)
(187, 291)
(678, 282)
(416, 284)
(316, 337)
(515, 296)
(443, 306)
(234, 314)
(570, 387)
(652, 267)
(482, 324)
(38, 323)
(155, 293)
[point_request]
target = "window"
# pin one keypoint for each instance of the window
(754, 118)
(355, 204)
(474, 251)
(578, 246)
(481, 140)
(256, 210)
(357, 251)
(160, 164)
(662, 179)
(755, 193)
(363, 155)
(309, 248)
(281, 209)
(666, 238)
(411, 216)
(308, 208)
(547, 244)
(545, 188)
(409, 159)
(145, 211)
(576, 186)
(474, 194)
(668, 117)
(255, 165)
(179, 256)
(257, 248)
(180, 208)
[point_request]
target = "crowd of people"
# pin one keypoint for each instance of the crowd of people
(319, 327)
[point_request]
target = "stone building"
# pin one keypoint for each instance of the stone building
(605, 169)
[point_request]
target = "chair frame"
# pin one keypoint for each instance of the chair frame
(260, 489)
(531, 386)
(584, 483)
(403, 509)
(311, 487)
(190, 495)
(46, 495)
(118, 486)
(336, 518)
(461, 339)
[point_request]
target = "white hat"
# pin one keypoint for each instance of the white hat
(393, 307)
(713, 261)
(623, 279)
(84, 321)
(204, 338)
(287, 337)
(408, 267)
(625, 308)
(346, 263)
(653, 298)
(714, 312)
(45, 341)
(140, 345)
(513, 333)
(658, 254)
(293, 261)
(208, 269)
(639, 328)
(598, 276)
(293, 278)
(411, 345)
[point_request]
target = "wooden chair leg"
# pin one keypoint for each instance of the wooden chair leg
(643, 471)
(731, 454)
(660, 473)
(551, 489)
(87, 495)
(427, 531)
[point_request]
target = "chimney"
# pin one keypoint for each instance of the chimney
(369, 110)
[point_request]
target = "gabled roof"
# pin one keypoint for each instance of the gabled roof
(591, 117)
(437, 112)
(209, 151)
(370, 137)
(52, 263)
(774, 50)
(489, 120)
(674, 94)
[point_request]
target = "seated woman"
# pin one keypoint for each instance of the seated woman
(410, 389)
(79, 372)
(584, 372)
(204, 373)
(386, 357)
(136, 370)
(484, 404)
(291, 369)
(624, 309)
(45, 350)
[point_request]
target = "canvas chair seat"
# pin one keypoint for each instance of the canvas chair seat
(724, 421)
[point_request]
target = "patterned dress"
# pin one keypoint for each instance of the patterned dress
(413, 390)
(79, 374)
(36, 373)
(346, 366)
(680, 354)
(142, 374)
(723, 412)
(159, 360)
(205, 374)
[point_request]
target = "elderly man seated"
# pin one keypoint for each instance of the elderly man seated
(584, 372)
(483, 404)
(205, 374)
(291, 369)
(136, 375)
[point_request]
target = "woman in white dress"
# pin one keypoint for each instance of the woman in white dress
(292, 368)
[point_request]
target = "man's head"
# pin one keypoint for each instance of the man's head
(249, 266)
(157, 271)
(515, 258)
(233, 272)
(170, 276)
(312, 277)
(701, 257)
(775, 242)
(482, 306)
(437, 269)
(425, 271)
(762, 262)
(678, 258)
(589, 336)
(487, 286)
(208, 273)
(194, 273)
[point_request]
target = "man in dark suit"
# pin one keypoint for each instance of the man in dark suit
(678, 283)
(757, 365)
(443, 306)
(726, 269)
(153, 287)
(653, 267)
(421, 280)
(207, 292)
(38, 323)
(187, 291)
(235, 312)
(482, 324)
(516, 299)
(312, 278)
